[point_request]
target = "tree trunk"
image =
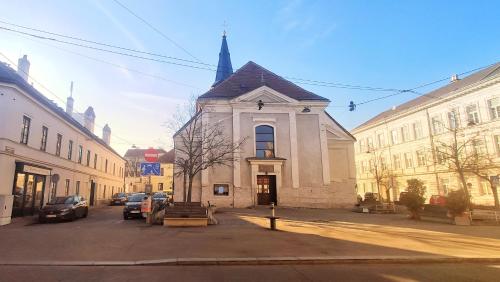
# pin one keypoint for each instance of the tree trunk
(495, 196)
(184, 187)
(464, 186)
(190, 188)
(388, 195)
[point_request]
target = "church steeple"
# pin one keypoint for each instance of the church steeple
(224, 68)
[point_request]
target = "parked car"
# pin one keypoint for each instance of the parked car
(133, 206)
(118, 199)
(64, 208)
(372, 197)
(438, 200)
(160, 197)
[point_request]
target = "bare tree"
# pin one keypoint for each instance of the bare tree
(464, 153)
(383, 175)
(199, 145)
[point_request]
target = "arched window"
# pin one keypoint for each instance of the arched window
(264, 141)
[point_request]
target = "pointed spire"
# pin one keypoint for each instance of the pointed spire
(224, 68)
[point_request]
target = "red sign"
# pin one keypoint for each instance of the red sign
(146, 205)
(151, 155)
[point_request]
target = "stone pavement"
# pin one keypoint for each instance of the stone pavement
(242, 234)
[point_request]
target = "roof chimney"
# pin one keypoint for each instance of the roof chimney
(70, 101)
(454, 78)
(106, 134)
(89, 119)
(23, 67)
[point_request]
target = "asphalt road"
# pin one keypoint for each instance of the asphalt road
(288, 273)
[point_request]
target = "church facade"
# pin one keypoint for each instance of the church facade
(294, 154)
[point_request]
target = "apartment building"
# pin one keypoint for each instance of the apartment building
(403, 140)
(135, 182)
(45, 152)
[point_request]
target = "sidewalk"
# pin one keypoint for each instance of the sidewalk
(304, 235)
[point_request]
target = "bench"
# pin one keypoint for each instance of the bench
(185, 214)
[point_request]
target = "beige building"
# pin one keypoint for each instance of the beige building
(159, 183)
(295, 154)
(45, 152)
(404, 138)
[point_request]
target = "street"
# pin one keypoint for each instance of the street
(358, 272)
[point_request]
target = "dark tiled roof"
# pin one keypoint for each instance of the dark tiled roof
(439, 93)
(139, 153)
(10, 76)
(169, 157)
(252, 76)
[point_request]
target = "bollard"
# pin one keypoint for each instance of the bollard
(272, 218)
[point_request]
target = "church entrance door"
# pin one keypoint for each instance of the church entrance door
(266, 190)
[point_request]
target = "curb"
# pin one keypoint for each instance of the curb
(264, 261)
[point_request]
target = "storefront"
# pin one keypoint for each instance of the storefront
(29, 188)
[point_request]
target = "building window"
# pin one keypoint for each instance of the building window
(114, 169)
(25, 132)
(95, 161)
(437, 125)
(80, 153)
(371, 166)
(405, 133)
(494, 106)
(58, 145)
(497, 144)
(408, 160)
(70, 149)
(106, 166)
(453, 119)
(397, 161)
(43, 143)
(77, 190)
(88, 157)
(264, 141)
(394, 137)
(445, 185)
(479, 147)
(362, 147)
(421, 158)
(104, 192)
(160, 186)
(66, 188)
(472, 114)
(221, 190)
(162, 171)
(417, 130)
(369, 141)
(381, 140)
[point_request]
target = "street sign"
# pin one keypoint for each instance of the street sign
(150, 169)
(151, 155)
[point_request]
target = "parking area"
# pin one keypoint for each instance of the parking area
(243, 233)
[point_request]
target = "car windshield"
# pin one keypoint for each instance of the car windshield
(61, 200)
(136, 198)
(159, 195)
(118, 195)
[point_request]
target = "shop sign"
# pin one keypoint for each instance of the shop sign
(36, 170)
(146, 205)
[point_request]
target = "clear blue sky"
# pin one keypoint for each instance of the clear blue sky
(391, 44)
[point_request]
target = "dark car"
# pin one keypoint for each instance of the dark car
(160, 197)
(133, 206)
(118, 199)
(64, 208)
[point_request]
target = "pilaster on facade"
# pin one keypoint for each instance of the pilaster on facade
(324, 154)
(293, 147)
(237, 155)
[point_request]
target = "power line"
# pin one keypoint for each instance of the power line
(103, 44)
(157, 30)
(113, 64)
(294, 79)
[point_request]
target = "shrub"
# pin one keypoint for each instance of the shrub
(414, 199)
(457, 202)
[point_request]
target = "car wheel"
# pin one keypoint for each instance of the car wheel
(41, 219)
(125, 216)
(85, 213)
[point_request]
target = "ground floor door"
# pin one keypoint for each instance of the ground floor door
(266, 190)
(92, 193)
(28, 193)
